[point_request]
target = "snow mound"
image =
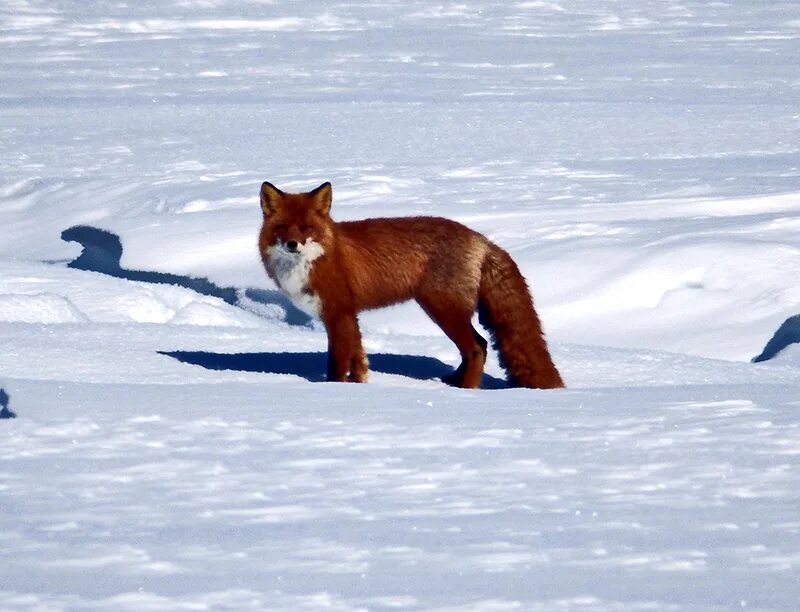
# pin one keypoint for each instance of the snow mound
(46, 308)
(206, 313)
(47, 294)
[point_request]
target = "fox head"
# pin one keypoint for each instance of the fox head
(294, 223)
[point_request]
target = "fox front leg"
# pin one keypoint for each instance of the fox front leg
(347, 361)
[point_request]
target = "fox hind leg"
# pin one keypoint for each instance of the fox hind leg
(456, 323)
(458, 376)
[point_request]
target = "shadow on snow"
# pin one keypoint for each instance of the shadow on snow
(5, 411)
(788, 333)
(312, 366)
(102, 252)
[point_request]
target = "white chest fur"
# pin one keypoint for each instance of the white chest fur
(291, 270)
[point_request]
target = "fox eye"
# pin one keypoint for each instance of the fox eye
(281, 227)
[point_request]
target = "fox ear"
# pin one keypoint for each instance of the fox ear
(323, 198)
(271, 198)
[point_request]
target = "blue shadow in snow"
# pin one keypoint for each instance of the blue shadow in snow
(5, 411)
(788, 333)
(102, 252)
(312, 366)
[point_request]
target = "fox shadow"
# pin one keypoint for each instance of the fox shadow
(102, 253)
(312, 366)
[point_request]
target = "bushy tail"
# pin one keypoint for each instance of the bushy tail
(506, 309)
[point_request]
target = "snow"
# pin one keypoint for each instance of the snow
(174, 446)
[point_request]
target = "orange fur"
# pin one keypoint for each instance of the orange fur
(337, 270)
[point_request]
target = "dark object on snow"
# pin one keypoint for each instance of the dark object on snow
(788, 333)
(102, 252)
(311, 366)
(5, 413)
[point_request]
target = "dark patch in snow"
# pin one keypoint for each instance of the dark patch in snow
(102, 252)
(788, 333)
(312, 366)
(5, 412)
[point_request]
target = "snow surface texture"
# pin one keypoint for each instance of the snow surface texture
(174, 448)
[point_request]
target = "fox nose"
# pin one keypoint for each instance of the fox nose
(291, 245)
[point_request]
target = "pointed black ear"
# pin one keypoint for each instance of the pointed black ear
(323, 198)
(271, 198)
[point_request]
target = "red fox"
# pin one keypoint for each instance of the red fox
(335, 270)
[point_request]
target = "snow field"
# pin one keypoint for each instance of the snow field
(433, 501)
(174, 448)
